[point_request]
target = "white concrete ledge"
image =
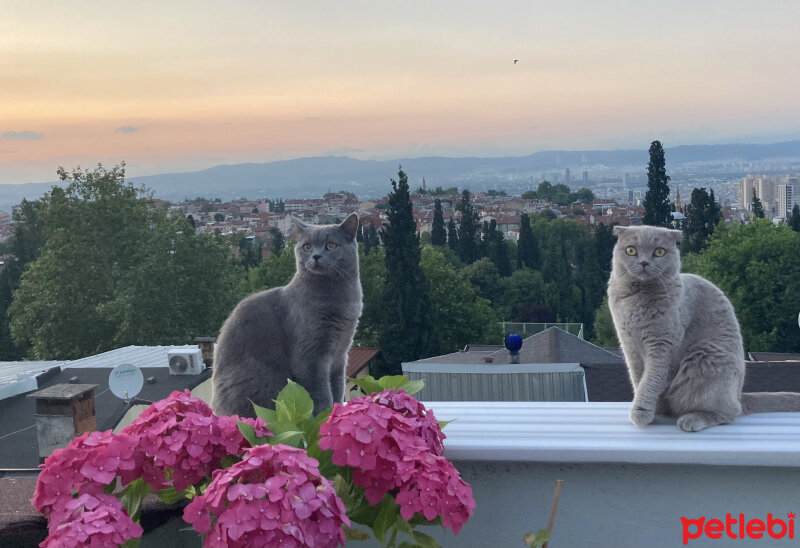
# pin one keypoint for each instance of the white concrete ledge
(602, 433)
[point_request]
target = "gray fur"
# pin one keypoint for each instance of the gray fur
(680, 337)
(301, 331)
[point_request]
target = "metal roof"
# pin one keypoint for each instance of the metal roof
(602, 432)
(140, 356)
(14, 371)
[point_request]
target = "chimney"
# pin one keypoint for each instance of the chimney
(63, 412)
(206, 345)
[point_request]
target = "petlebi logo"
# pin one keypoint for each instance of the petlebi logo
(738, 527)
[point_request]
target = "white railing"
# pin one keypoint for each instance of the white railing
(527, 329)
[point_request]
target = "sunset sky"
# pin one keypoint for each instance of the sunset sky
(184, 85)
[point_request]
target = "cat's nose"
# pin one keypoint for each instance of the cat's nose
(644, 263)
(316, 256)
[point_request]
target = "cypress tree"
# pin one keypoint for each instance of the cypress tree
(794, 221)
(498, 251)
(758, 207)
(468, 228)
(656, 200)
(438, 231)
(527, 248)
(452, 235)
(407, 311)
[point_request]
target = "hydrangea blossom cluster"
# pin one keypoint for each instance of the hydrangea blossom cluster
(183, 441)
(394, 445)
(91, 520)
(432, 487)
(89, 462)
(274, 497)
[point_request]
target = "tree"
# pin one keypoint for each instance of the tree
(497, 251)
(757, 208)
(219, 217)
(702, 215)
(278, 241)
(276, 271)
(756, 266)
(438, 231)
(405, 332)
(485, 279)
(583, 195)
(452, 234)
(250, 251)
(522, 288)
(115, 270)
(605, 334)
(460, 317)
(527, 248)
(468, 228)
(656, 200)
(794, 220)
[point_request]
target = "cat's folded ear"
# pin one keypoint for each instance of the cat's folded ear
(675, 235)
(350, 226)
(298, 226)
(619, 230)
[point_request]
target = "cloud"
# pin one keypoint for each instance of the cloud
(127, 129)
(21, 135)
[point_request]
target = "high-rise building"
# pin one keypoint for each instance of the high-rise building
(585, 178)
(788, 195)
(567, 178)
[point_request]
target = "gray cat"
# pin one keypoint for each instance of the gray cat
(301, 331)
(680, 337)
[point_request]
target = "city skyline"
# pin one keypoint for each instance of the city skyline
(183, 86)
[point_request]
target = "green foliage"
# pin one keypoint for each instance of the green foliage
(439, 191)
(438, 231)
(452, 235)
(276, 271)
(496, 249)
(756, 266)
(702, 214)
(484, 277)
(656, 200)
(373, 285)
(468, 229)
(757, 207)
(794, 220)
(528, 247)
(116, 271)
(405, 329)
(537, 539)
(278, 241)
(605, 334)
(459, 315)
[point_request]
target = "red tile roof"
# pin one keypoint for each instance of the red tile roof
(358, 357)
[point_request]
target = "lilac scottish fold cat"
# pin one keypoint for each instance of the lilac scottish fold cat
(680, 337)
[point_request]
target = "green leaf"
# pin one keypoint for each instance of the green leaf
(387, 515)
(109, 489)
(423, 540)
(355, 534)
(442, 424)
(248, 432)
(412, 387)
(389, 382)
(132, 497)
(290, 437)
(294, 403)
(536, 540)
(169, 495)
(367, 383)
(269, 415)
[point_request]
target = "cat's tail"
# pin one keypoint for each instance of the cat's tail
(767, 402)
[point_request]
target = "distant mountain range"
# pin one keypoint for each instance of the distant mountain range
(311, 177)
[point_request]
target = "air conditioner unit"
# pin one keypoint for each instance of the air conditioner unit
(186, 362)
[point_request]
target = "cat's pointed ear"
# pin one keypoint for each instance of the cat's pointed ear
(350, 226)
(298, 226)
(619, 230)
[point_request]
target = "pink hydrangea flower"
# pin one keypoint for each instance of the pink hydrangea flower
(371, 436)
(430, 485)
(91, 520)
(182, 441)
(89, 462)
(274, 497)
(412, 408)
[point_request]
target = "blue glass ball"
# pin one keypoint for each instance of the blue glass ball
(513, 342)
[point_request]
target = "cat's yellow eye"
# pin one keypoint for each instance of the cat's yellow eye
(307, 247)
(660, 252)
(330, 246)
(630, 250)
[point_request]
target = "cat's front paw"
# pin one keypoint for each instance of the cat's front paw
(641, 417)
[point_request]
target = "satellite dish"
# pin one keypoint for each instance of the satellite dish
(126, 381)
